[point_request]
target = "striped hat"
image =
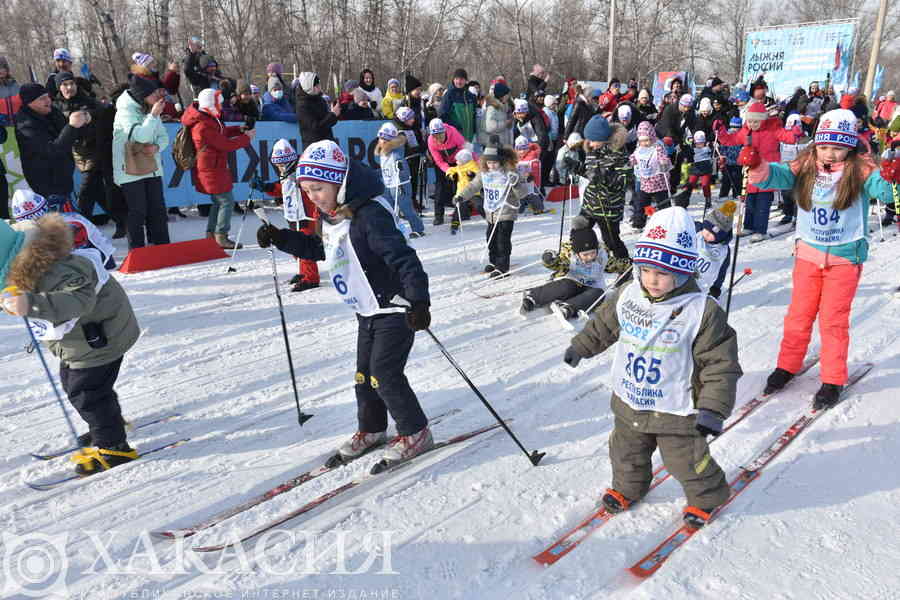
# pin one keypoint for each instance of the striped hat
(404, 113)
(387, 132)
(283, 152)
(139, 58)
(436, 126)
(838, 128)
(668, 242)
(322, 161)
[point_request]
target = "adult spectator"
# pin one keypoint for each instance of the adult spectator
(45, 139)
(276, 106)
(145, 66)
(9, 94)
(413, 99)
(246, 104)
(392, 100)
(498, 119)
(582, 112)
(191, 64)
(359, 109)
(458, 106)
(138, 121)
(713, 90)
(367, 84)
(548, 156)
(277, 70)
(313, 113)
(211, 174)
(62, 60)
(646, 107)
(70, 99)
(433, 104)
(537, 81)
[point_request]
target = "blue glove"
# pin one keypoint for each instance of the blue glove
(709, 422)
(571, 357)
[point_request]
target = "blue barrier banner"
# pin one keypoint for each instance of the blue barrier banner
(794, 56)
(356, 138)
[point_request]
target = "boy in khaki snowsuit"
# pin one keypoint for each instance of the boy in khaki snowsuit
(84, 317)
(675, 371)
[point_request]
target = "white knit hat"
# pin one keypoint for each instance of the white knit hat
(322, 161)
(283, 152)
(705, 105)
(520, 106)
(139, 58)
(837, 127)
(28, 206)
(210, 102)
(463, 156)
(699, 137)
(668, 242)
(436, 126)
(521, 143)
(387, 131)
(404, 113)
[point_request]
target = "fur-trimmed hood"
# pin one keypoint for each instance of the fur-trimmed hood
(47, 241)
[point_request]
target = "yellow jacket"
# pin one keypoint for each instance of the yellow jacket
(462, 175)
(389, 104)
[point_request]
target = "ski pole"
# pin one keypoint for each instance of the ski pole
(14, 291)
(302, 417)
(562, 218)
(535, 456)
(740, 226)
(747, 271)
(237, 246)
(606, 290)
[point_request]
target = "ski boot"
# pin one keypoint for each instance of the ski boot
(827, 396)
(615, 502)
(566, 311)
(497, 274)
(296, 279)
(696, 518)
(361, 443)
(527, 304)
(403, 448)
(488, 268)
(85, 440)
(304, 285)
(93, 460)
(777, 380)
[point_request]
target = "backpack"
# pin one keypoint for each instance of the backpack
(183, 150)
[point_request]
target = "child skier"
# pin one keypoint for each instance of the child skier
(651, 166)
(502, 189)
(86, 320)
(578, 271)
(569, 157)
(396, 177)
(713, 237)
(767, 134)
(674, 374)
(701, 170)
(833, 185)
(299, 212)
(28, 206)
(732, 174)
(529, 168)
(606, 168)
(462, 174)
(369, 262)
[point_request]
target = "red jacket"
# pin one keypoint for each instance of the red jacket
(766, 140)
(214, 141)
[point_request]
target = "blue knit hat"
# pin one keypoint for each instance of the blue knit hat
(597, 129)
(735, 122)
(11, 242)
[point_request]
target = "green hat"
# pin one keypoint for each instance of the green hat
(10, 244)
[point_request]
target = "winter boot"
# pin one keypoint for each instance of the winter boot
(827, 396)
(696, 517)
(527, 303)
(359, 444)
(225, 243)
(85, 440)
(786, 220)
(438, 220)
(93, 460)
(615, 502)
(777, 380)
(488, 268)
(296, 279)
(304, 285)
(405, 447)
(566, 311)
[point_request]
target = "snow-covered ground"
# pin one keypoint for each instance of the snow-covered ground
(463, 522)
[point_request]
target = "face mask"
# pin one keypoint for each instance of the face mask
(277, 94)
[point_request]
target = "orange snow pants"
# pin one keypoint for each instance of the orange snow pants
(308, 268)
(828, 292)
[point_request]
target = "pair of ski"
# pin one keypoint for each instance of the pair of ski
(50, 484)
(575, 536)
(653, 560)
(299, 480)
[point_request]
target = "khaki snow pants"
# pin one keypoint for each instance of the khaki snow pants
(686, 457)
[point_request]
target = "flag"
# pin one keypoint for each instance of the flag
(85, 71)
(879, 78)
(855, 83)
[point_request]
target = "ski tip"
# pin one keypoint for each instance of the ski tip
(174, 534)
(303, 418)
(536, 457)
(216, 548)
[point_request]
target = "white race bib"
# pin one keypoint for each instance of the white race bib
(346, 272)
(825, 225)
(292, 200)
(94, 236)
(494, 186)
(647, 162)
(589, 274)
(654, 363)
(709, 260)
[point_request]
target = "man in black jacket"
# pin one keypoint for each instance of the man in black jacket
(314, 117)
(45, 141)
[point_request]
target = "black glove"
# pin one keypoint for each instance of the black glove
(267, 234)
(570, 163)
(418, 316)
(549, 258)
(709, 422)
(571, 357)
(256, 183)
(457, 200)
